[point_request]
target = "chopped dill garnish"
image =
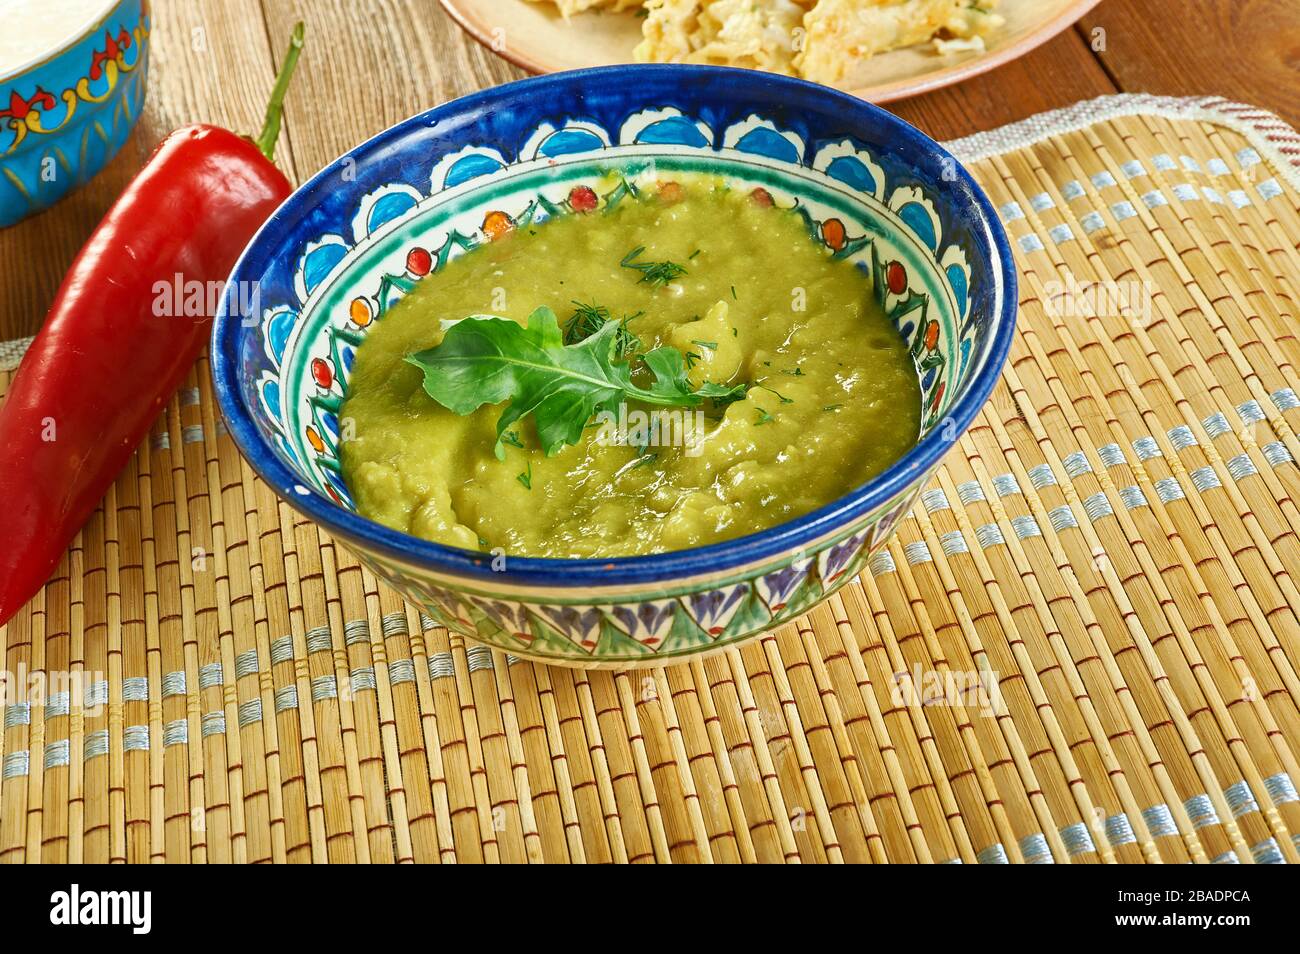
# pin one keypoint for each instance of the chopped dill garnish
(691, 358)
(526, 478)
(657, 274)
(711, 345)
(627, 341)
(512, 438)
(763, 418)
(585, 322)
(733, 293)
(831, 407)
(588, 319)
(735, 332)
(795, 373)
(692, 255)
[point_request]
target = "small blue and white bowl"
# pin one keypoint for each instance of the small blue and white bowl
(336, 256)
(67, 112)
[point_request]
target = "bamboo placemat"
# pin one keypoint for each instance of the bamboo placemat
(1109, 550)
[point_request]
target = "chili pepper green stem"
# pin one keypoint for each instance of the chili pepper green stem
(275, 108)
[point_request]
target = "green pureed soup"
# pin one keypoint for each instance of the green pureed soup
(706, 369)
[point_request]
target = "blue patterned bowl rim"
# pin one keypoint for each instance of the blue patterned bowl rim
(986, 233)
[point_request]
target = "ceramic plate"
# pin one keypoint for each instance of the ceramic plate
(534, 36)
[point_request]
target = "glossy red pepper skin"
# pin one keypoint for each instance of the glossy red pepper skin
(105, 363)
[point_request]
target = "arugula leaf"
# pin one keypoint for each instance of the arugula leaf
(484, 359)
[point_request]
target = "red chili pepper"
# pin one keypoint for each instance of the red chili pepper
(105, 363)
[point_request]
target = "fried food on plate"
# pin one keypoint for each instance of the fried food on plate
(840, 32)
(763, 35)
(819, 40)
(569, 7)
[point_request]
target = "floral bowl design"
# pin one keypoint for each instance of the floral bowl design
(347, 245)
(65, 116)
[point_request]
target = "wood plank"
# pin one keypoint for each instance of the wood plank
(1058, 73)
(376, 64)
(1246, 50)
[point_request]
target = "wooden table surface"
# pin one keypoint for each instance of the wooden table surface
(370, 63)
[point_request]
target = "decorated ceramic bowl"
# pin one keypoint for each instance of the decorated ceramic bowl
(66, 111)
(347, 245)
